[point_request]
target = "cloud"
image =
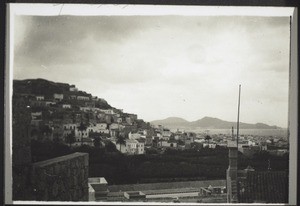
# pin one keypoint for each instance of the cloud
(159, 66)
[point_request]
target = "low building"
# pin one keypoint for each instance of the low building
(101, 126)
(211, 190)
(85, 98)
(114, 126)
(166, 133)
(49, 103)
(98, 189)
(73, 97)
(58, 97)
(134, 147)
(209, 145)
(167, 144)
(134, 195)
(81, 134)
(69, 126)
(107, 111)
(87, 141)
(73, 88)
(66, 106)
(39, 97)
(134, 135)
(36, 115)
(85, 109)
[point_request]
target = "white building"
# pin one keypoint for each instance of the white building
(73, 89)
(49, 103)
(210, 145)
(66, 106)
(114, 126)
(97, 182)
(58, 96)
(83, 98)
(39, 98)
(81, 134)
(134, 135)
(134, 147)
(131, 147)
(69, 126)
(107, 111)
(169, 144)
(36, 115)
(101, 126)
(166, 133)
(85, 109)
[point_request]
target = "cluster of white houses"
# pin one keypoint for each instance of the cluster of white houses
(77, 107)
(63, 113)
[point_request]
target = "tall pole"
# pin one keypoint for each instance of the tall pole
(237, 143)
(238, 118)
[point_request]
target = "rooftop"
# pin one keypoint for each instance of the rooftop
(97, 180)
(265, 187)
(166, 185)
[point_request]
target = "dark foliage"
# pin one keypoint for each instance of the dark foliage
(97, 142)
(172, 165)
(43, 150)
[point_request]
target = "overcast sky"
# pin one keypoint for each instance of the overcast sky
(164, 66)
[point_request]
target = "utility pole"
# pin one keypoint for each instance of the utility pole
(238, 118)
(237, 141)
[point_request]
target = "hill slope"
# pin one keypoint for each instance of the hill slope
(48, 88)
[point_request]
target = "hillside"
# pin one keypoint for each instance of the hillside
(207, 123)
(48, 88)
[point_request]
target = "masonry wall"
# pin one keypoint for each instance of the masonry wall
(61, 179)
(21, 156)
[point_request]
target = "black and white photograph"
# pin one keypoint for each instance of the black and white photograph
(150, 104)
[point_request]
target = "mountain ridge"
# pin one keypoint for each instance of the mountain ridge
(208, 123)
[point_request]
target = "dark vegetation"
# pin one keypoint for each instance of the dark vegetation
(172, 165)
(48, 88)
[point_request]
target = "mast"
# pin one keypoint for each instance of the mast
(237, 143)
(238, 118)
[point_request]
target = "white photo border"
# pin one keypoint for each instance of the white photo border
(126, 10)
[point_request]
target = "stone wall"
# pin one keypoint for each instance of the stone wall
(61, 179)
(21, 126)
(21, 156)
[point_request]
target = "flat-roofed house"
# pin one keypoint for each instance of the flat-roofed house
(98, 188)
(66, 106)
(86, 98)
(73, 88)
(39, 97)
(134, 147)
(58, 96)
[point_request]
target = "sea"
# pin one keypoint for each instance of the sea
(278, 133)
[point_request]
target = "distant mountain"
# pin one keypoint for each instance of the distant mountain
(207, 123)
(172, 121)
